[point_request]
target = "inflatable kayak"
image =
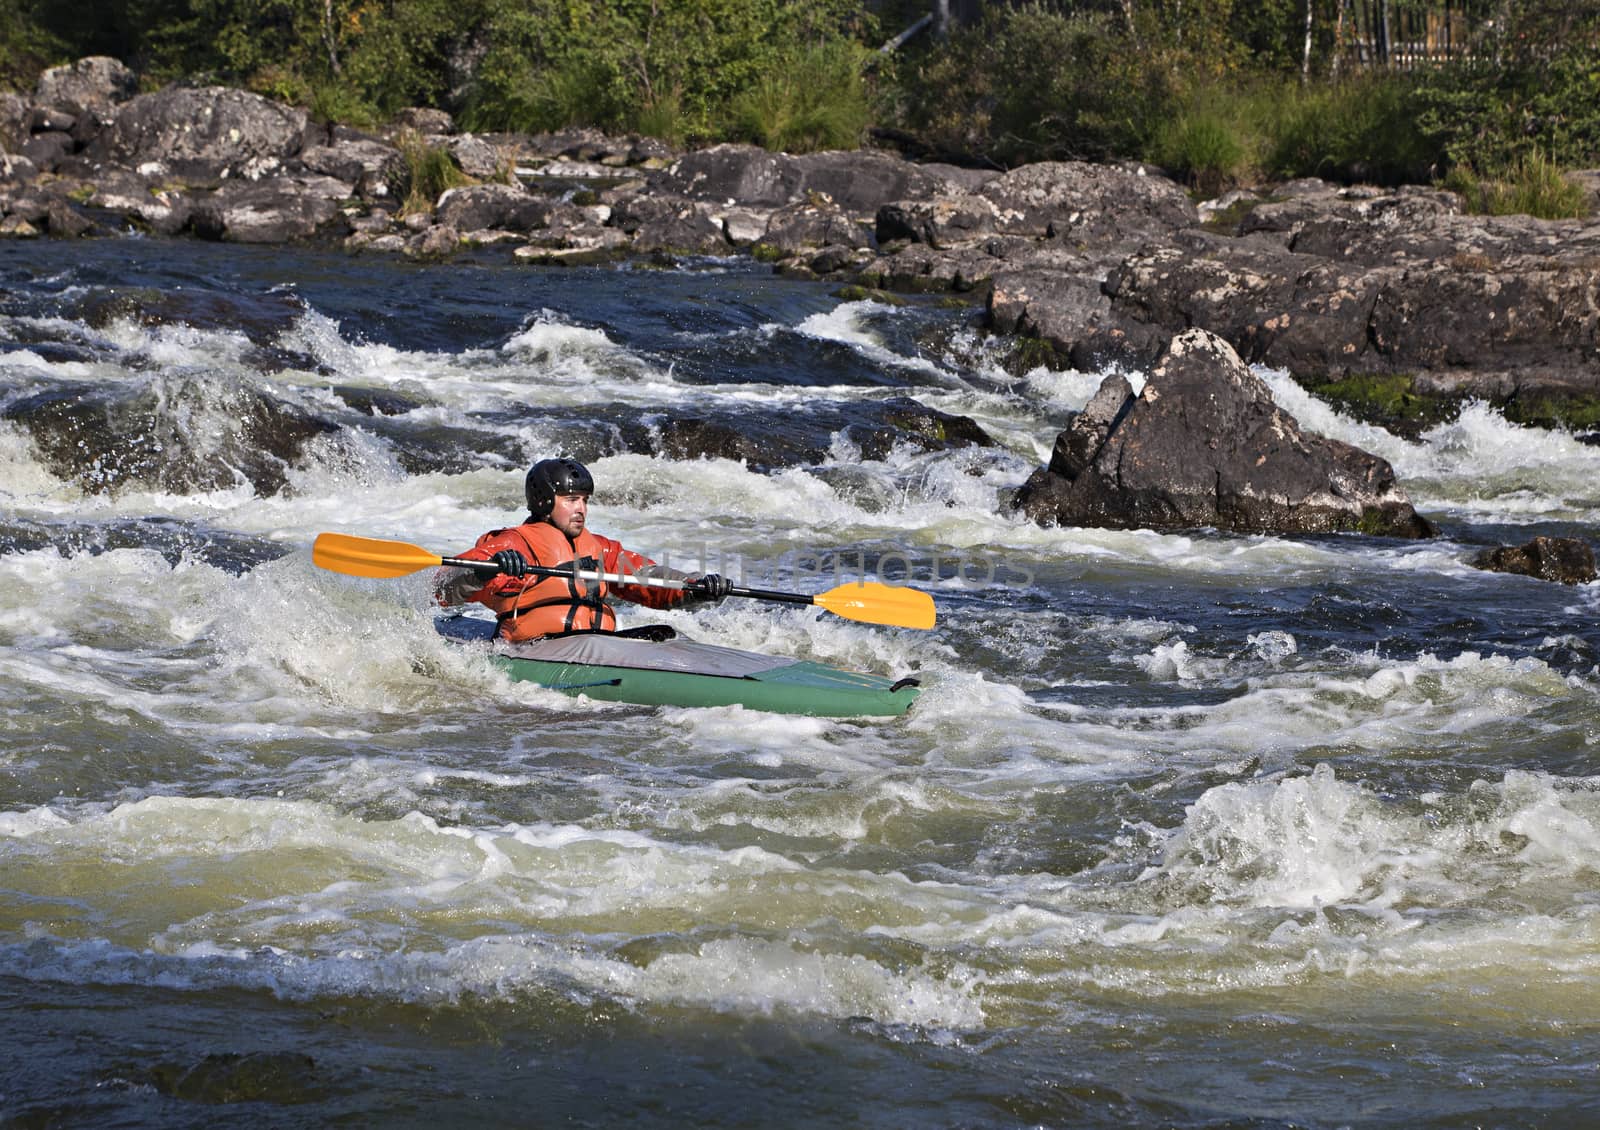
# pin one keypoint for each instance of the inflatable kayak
(617, 667)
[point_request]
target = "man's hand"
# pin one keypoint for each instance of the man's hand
(511, 563)
(712, 586)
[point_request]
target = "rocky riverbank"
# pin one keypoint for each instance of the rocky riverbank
(1390, 301)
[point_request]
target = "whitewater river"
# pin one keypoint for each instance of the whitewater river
(1186, 830)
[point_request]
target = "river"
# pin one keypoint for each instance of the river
(1186, 829)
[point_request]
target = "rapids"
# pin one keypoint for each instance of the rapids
(1185, 830)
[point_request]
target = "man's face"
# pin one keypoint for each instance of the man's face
(569, 513)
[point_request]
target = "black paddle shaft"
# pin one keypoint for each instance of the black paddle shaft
(490, 569)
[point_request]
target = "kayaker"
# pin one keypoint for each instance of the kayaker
(555, 533)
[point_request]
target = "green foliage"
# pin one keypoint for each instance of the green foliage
(1360, 129)
(1211, 142)
(673, 69)
(1209, 88)
(1030, 84)
(26, 46)
(817, 99)
(1532, 185)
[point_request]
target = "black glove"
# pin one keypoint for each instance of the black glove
(712, 586)
(511, 563)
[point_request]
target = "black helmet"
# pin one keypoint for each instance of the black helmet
(550, 477)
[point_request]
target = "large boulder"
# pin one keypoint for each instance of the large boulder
(670, 225)
(1512, 296)
(145, 203)
(1568, 561)
(950, 220)
(734, 174)
(15, 117)
(280, 210)
(376, 169)
(1072, 313)
(860, 181)
(508, 207)
(810, 224)
(1077, 201)
(1205, 445)
(209, 132)
(146, 437)
(94, 83)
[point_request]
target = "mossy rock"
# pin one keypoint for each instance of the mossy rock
(1030, 353)
(1577, 411)
(1389, 400)
(857, 293)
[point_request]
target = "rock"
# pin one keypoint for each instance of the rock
(46, 151)
(1074, 316)
(46, 119)
(506, 206)
(1087, 432)
(1566, 560)
(692, 437)
(1204, 445)
(811, 224)
(66, 222)
(743, 227)
(927, 429)
(377, 171)
(16, 169)
(670, 225)
(436, 242)
(1072, 200)
(203, 133)
(142, 437)
(476, 157)
(948, 221)
(575, 246)
(143, 201)
(96, 82)
(280, 210)
(423, 120)
(861, 181)
(15, 113)
(743, 174)
(1589, 181)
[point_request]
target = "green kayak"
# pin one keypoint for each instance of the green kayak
(618, 667)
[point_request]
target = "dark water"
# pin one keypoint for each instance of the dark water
(1186, 830)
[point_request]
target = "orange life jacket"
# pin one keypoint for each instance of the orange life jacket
(530, 607)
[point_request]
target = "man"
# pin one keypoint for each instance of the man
(556, 533)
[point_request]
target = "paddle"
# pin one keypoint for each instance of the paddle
(867, 601)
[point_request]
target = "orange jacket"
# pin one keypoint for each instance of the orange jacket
(530, 607)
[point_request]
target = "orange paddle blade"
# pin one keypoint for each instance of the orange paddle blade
(370, 557)
(876, 603)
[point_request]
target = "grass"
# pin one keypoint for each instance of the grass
(431, 171)
(1532, 186)
(818, 101)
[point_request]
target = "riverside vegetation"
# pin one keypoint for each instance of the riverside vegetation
(1217, 92)
(1387, 297)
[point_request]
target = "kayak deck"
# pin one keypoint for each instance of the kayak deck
(679, 672)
